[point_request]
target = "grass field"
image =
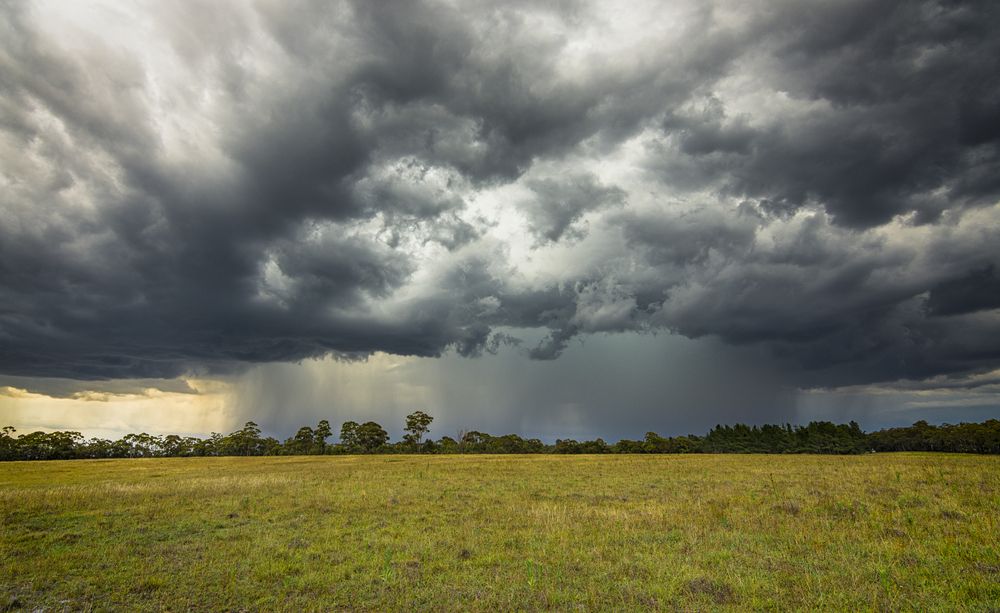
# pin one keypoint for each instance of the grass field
(885, 532)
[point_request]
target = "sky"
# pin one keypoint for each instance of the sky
(564, 219)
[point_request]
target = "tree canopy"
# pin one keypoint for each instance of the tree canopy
(370, 437)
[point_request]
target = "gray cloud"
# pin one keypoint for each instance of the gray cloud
(281, 182)
(977, 291)
(558, 205)
(899, 100)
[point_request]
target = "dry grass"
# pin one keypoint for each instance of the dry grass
(885, 532)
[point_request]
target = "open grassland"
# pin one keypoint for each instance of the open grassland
(886, 531)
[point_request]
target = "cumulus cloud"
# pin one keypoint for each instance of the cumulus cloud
(273, 182)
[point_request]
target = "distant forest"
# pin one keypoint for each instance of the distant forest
(370, 437)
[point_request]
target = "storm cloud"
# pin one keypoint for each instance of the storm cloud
(190, 189)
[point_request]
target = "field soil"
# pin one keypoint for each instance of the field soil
(882, 531)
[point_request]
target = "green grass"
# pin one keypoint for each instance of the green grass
(886, 532)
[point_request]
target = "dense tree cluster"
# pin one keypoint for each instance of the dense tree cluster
(921, 436)
(370, 437)
(817, 437)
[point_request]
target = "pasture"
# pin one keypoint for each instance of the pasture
(900, 531)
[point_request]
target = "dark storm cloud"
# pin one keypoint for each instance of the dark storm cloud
(75, 388)
(977, 291)
(903, 107)
(841, 306)
(688, 238)
(291, 180)
(558, 205)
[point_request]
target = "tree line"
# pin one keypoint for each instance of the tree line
(370, 437)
